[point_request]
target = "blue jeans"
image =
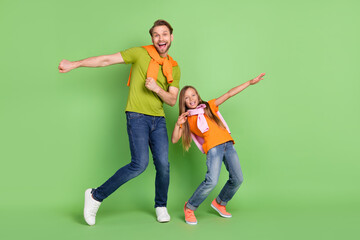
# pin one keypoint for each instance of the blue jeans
(222, 153)
(143, 131)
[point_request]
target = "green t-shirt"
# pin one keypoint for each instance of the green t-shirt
(141, 99)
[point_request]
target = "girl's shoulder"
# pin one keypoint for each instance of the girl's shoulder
(212, 105)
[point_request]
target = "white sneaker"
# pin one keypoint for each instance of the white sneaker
(162, 214)
(91, 207)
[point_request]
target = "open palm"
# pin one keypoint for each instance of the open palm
(257, 79)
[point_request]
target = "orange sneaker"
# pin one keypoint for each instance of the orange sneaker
(220, 209)
(189, 216)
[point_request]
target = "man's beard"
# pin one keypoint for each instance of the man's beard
(163, 51)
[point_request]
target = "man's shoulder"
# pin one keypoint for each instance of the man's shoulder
(132, 55)
(135, 50)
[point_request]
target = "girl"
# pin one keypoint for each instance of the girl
(202, 122)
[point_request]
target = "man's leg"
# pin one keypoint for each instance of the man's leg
(138, 131)
(159, 145)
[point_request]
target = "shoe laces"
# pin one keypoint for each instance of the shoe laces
(222, 208)
(189, 213)
(94, 207)
(162, 211)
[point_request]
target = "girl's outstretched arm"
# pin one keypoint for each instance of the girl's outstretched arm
(176, 135)
(237, 89)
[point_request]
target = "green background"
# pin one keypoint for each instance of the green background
(296, 132)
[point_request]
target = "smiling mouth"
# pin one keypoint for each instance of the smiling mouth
(162, 45)
(192, 103)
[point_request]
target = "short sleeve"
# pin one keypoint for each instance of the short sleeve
(131, 55)
(176, 77)
(212, 105)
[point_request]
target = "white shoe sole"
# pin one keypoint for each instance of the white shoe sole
(221, 214)
(191, 223)
(163, 221)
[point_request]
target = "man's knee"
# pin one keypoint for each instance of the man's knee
(162, 167)
(138, 167)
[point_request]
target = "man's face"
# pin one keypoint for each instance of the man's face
(162, 39)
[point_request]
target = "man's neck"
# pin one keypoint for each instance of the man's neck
(163, 55)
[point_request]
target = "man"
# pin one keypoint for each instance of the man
(154, 79)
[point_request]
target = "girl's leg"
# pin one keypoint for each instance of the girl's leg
(214, 159)
(232, 164)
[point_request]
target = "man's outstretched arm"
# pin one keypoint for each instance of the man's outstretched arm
(99, 61)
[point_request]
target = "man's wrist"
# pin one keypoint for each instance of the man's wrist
(76, 64)
(157, 90)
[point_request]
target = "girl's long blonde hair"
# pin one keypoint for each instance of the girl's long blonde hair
(186, 134)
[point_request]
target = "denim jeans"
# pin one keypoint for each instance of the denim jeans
(222, 153)
(143, 131)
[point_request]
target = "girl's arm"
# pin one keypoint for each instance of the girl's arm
(176, 135)
(236, 90)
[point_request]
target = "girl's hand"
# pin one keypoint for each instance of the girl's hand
(182, 118)
(257, 79)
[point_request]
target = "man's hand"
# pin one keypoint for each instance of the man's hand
(151, 84)
(257, 79)
(66, 66)
(169, 97)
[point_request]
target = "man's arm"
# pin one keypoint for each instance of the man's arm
(99, 61)
(169, 97)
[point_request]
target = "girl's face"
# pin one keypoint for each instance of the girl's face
(191, 98)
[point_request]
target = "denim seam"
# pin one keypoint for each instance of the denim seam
(221, 202)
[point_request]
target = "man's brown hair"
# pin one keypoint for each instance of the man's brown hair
(161, 22)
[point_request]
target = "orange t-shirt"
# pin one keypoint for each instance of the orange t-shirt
(216, 135)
